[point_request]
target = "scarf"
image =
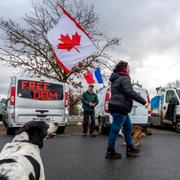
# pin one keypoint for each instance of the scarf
(124, 74)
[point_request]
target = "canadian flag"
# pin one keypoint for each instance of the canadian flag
(70, 42)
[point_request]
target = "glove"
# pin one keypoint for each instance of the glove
(146, 105)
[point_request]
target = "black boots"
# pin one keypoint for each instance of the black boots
(112, 154)
(131, 151)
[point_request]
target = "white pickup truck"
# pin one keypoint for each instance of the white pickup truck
(165, 108)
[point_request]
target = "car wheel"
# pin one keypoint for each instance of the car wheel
(10, 131)
(61, 130)
(177, 127)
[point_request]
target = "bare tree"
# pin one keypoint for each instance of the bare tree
(26, 46)
(74, 100)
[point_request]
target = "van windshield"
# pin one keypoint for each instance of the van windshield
(39, 90)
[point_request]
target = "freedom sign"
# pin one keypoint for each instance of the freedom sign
(70, 42)
(39, 90)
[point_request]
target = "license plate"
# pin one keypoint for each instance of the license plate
(42, 119)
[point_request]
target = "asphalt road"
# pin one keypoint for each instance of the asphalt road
(72, 157)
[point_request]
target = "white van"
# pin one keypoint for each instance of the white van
(35, 99)
(139, 115)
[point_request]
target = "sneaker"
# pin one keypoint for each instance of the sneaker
(131, 151)
(112, 154)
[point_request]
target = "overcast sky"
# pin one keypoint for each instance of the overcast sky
(150, 32)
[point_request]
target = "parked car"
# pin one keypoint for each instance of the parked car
(35, 99)
(139, 115)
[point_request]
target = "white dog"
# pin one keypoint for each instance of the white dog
(20, 159)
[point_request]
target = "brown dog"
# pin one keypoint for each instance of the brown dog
(137, 133)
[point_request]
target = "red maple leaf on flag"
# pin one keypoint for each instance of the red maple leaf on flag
(68, 43)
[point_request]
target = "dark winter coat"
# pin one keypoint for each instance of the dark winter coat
(122, 94)
(88, 97)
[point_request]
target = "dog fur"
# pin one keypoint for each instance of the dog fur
(137, 133)
(20, 159)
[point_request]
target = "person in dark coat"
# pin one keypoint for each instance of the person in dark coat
(120, 104)
(89, 101)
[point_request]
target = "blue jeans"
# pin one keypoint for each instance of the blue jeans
(120, 121)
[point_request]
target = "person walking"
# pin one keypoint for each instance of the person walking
(120, 104)
(89, 101)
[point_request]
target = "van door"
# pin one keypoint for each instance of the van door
(39, 100)
(168, 96)
(139, 115)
